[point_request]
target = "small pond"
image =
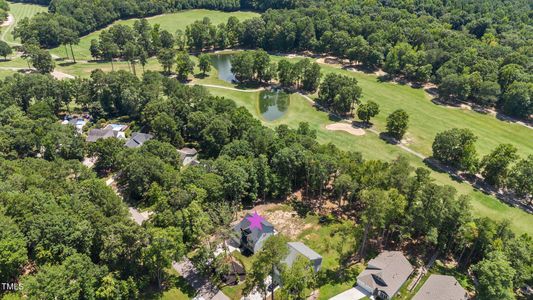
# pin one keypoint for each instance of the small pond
(273, 104)
(222, 62)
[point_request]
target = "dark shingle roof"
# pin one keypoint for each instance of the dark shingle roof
(96, 134)
(387, 272)
(255, 234)
(441, 287)
(138, 139)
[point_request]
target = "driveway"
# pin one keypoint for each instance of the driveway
(206, 290)
(352, 294)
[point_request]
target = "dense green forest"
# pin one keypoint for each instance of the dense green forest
(476, 51)
(58, 218)
(64, 234)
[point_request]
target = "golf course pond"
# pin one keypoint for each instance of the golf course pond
(272, 104)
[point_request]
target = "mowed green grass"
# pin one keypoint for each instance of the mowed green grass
(171, 22)
(372, 147)
(19, 11)
(426, 118)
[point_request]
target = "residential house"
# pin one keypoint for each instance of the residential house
(79, 123)
(252, 239)
(297, 249)
(385, 274)
(138, 139)
(188, 156)
(111, 130)
(441, 287)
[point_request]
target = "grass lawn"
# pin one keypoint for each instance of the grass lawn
(372, 147)
(15, 62)
(6, 73)
(178, 289)
(426, 119)
(19, 11)
(323, 239)
(234, 292)
(170, 22)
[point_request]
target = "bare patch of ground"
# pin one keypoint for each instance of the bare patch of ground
(284, 218)
(347, 128)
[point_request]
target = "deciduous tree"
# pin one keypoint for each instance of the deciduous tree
(397, 123)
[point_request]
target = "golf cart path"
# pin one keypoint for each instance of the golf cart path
(6, 27)
(476, 185)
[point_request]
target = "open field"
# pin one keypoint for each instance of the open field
(372, 147)
(170, 22)
(19, 11)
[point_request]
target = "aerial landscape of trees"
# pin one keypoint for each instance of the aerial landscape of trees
(246, 161)
(66, 233)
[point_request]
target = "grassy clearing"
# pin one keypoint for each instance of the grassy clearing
(170, 22)
(325, 241)
(19, 11)
(372, 147)
(178, 289)
(6, 73)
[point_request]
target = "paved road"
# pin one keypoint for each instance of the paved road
(206, 290)
(137, 216)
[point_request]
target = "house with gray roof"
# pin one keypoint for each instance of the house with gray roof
(252, 239)
(138, 139)
(441, 287)
(297, 249)
(385, 274)
(111, 130)
(188, 156)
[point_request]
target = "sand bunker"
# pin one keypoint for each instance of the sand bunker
(346, 127)
(61, 75)
(9, 21)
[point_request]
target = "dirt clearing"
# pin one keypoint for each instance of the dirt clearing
(284, 219)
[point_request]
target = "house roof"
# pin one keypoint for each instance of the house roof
(255, 233)
(138, 139)
(441, 287)
(297, 249)
(188, 151)
(387, 272)
(117, 127)
(95, 134)
(302, 249)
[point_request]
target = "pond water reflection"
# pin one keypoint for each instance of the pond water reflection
(273, 104)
